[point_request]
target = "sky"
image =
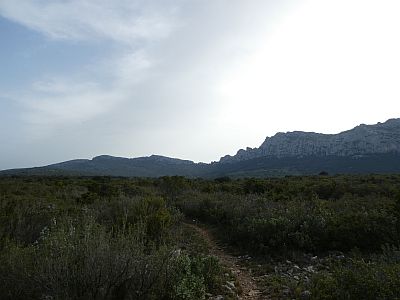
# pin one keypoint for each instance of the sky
(192, 79)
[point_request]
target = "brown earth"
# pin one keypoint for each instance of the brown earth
(248, 284)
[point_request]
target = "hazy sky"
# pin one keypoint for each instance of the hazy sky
(194, 79)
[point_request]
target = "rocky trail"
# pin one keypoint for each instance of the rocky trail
(248, 284)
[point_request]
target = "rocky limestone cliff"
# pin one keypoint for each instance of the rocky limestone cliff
(361, 140)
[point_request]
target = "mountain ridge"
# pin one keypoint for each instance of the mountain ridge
(361, 140)
(363, 149)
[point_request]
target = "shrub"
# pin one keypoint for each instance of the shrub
(80, 259)
(191, 276)
(359, 280)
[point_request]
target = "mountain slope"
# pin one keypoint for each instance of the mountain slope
(363, 149)
(152, 166)
(362, 140)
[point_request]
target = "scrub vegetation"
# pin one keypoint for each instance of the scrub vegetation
(309, 237)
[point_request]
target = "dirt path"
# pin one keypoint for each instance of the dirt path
(247, 282)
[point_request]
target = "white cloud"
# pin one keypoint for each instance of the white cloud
(180, 75)
(327, 66)
(54, 102)
(124, 21)
(57, 100)
(153, 92)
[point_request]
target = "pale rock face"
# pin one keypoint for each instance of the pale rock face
(361, 140)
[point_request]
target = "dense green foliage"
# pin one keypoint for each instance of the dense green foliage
(376, 278)
(302, 213)
(95, 239)
(119, 238)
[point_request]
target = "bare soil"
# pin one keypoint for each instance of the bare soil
(248, 284)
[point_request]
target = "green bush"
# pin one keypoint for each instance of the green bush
(266, 225)
(359, 280)
(120, 238)
(191, 276)
(80, 259)
(82, 239)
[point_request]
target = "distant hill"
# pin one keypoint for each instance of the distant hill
(363, 149)
(105, 165)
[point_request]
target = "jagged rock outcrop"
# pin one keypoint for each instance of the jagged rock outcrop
(361, 140)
